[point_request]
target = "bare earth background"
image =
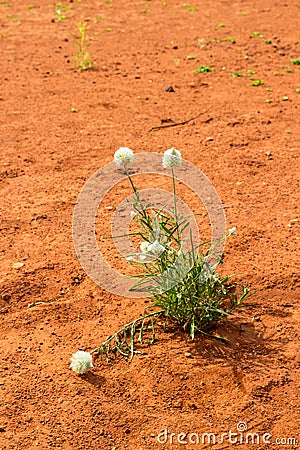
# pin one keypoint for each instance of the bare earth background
(246, 146)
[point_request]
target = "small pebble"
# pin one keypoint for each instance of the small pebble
(18, 265)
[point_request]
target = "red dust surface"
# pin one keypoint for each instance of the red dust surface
(58, 127)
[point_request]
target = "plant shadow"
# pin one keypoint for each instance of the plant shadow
(94, 379)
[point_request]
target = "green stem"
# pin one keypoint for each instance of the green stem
(175, 207)
(137, 195)
(130, 324)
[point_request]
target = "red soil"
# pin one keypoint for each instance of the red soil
(246, 146)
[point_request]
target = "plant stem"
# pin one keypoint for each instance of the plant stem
(130, 324)
(175, 207)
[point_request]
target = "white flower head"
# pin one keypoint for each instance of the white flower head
(156, 248)
(81, 362)
(132, 214)
(123, 157)
(144, 246)
(171, 158)
(232, 231)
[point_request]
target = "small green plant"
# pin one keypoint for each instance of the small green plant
(268, 41)
(13, 17)
(236, 75)
(277, 74)
(182, 284)
(257, 83)
(250, 72)
(190, 57)
(256, 33)
(268, 100)
(296, 62)
(231, 39)
(289, 70)
(203, 69)
(60, 8)
(298, 90)
(192, 9)
(284, 98)
(83, 59)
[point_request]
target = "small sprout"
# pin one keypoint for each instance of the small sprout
(277, 74)
(285, 98)
(108, 29)
(231, 39)
(256, 33)
(296, 42)
(268, 100)
(201, 42)
(268, 41)
(145, 11)
(83, 58)
(244, 13)
(191, 57)
(73, 110)
(269, 89)
(298, 90)
(289, 70)
(236, 75)
(214, 40)
(296, 62)
(203, 69)
(257, 83)
(13, 17)
(191, 9)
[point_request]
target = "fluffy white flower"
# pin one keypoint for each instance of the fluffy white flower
(232, 230)
(144, 246)
(171, 158)
(132, 214)
(156, 248)
(123, 157)
(81, 362)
